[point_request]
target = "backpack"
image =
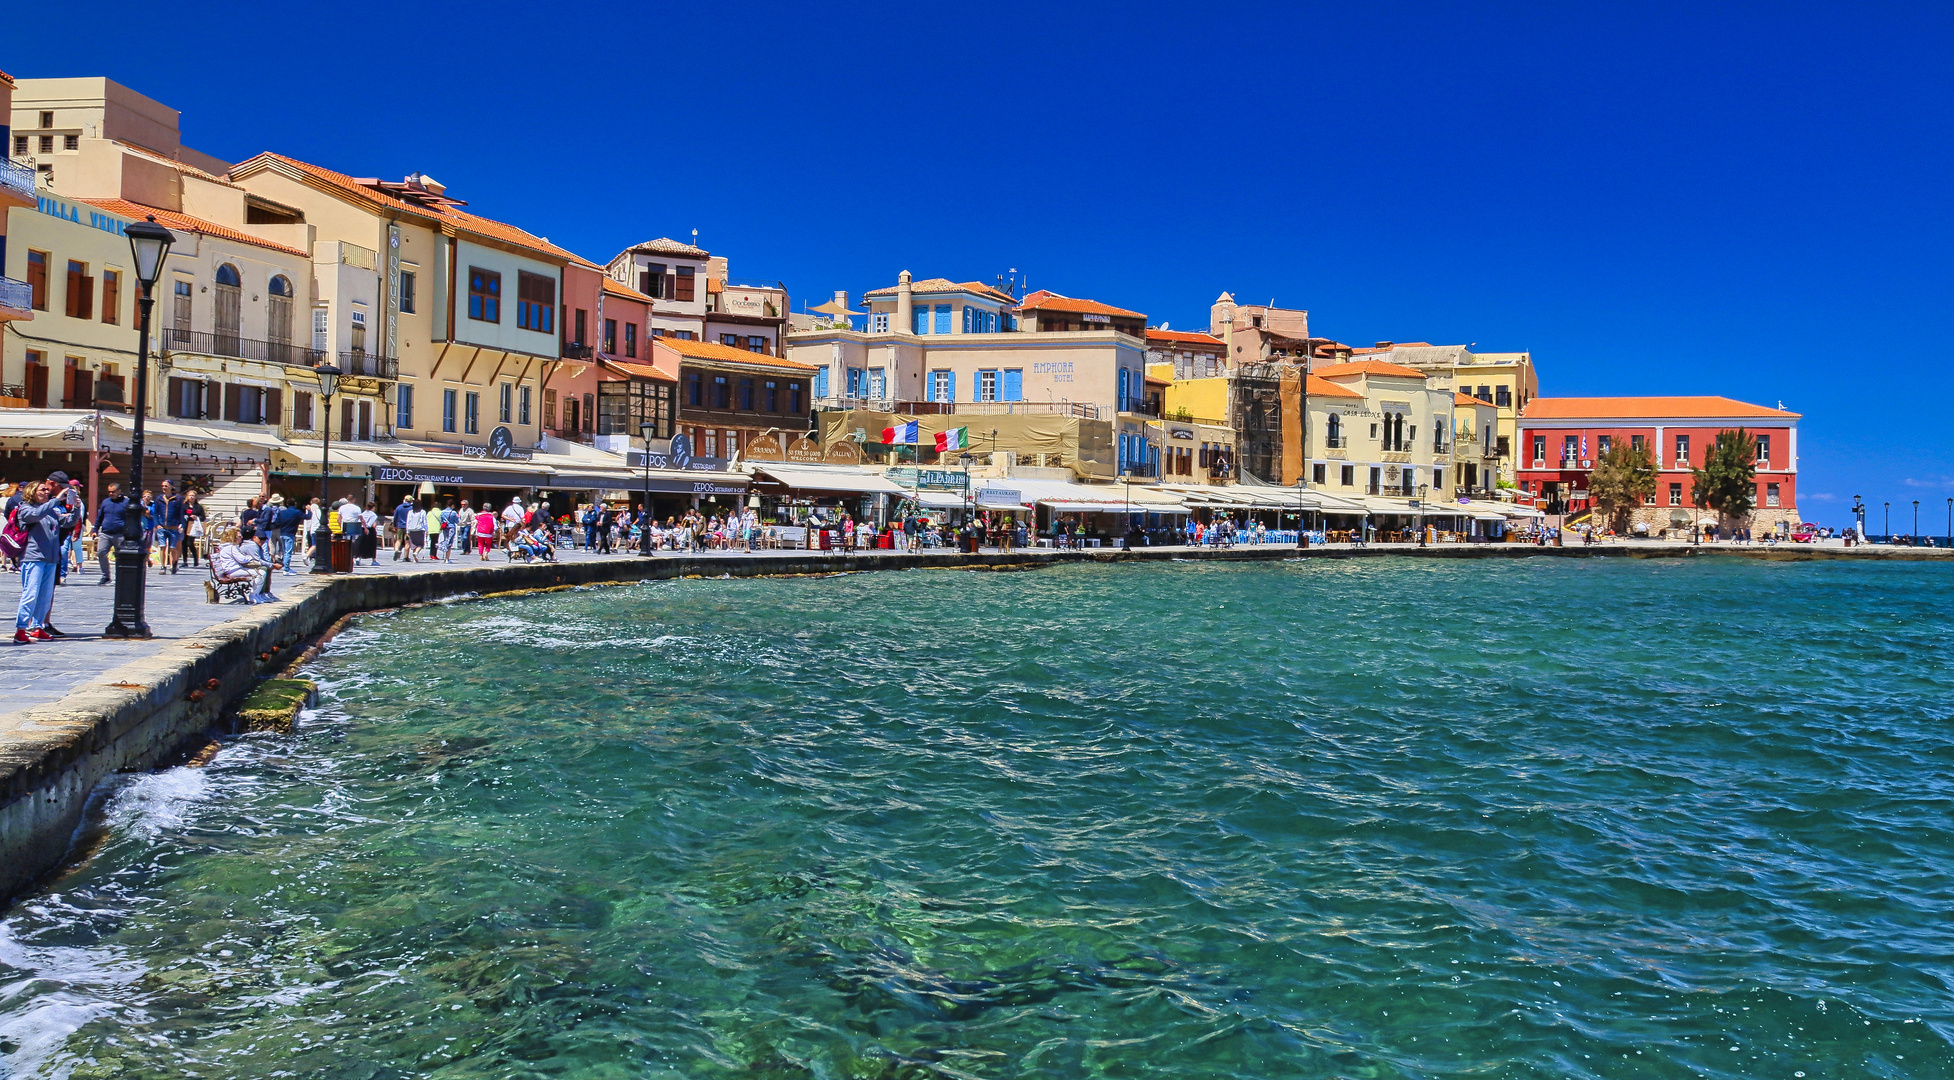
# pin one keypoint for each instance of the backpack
(13, 539)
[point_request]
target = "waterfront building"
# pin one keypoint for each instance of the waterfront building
(16, 190)
(1260, 333)
(54, 121)
(674, 275)
(744, 314)
(1559, 439)
(1476, 458)
(1177, 354)
(729, 397)
(1506, 379)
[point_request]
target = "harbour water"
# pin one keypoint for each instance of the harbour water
(1384, 819)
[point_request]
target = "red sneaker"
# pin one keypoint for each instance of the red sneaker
(21, 638)
(42, 635)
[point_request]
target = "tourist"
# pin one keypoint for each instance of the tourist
(484, 530)
(415, 531)
(109, 518)
(597, 529)
(450, 523)
(168, 513)
(256, 557)
(313, 514)
(228, 565)
(39, 515)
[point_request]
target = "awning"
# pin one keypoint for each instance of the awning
(657, 481)
(937, 500)
(1520, 511)
(41, 423)
(817, 478)
(1059, 506)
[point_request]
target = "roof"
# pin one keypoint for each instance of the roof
(712, 350)
(185, 223)
(1051, 301)
(1185, 338)
(1155, 380)
(642, 371)
(1368, 367)
(1647, 408)
(1321, 387)
(715, 285)
(453, 217)
(1468, 399)
(6, 79)
(164, 159)
(618, 288)
(665, 245)
(943, 285)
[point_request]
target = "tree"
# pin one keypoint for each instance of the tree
(1623, 478)
(1727, 482)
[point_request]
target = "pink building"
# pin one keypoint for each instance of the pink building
(604, 323)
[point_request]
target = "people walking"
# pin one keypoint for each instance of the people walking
(484, 530)
(169, 526)
(40, 516)
(416, 530)
(109, 518)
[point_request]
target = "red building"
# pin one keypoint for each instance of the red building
(1560, 438)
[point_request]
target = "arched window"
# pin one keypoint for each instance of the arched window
(1335, 431)
(228, 318)
(278, 319)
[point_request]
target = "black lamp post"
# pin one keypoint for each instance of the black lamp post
(150, 244)
(1859, 515)
(1889, 520)
(1950, 523)
(322, 540)
(644, 530)
(1914, 537)
(1424, 491)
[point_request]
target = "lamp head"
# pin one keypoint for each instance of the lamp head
(328, 379)
(150, 244)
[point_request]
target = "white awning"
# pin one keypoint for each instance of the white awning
(1062, 507)
(1520, 511)
(292, 456)
(937, 500)
(41, 423)
(834, 478)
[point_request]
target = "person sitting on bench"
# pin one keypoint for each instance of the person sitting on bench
(237, 568)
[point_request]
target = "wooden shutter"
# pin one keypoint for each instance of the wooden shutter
(274, 407)
(111, 298)
(74, 294)
(37, 281)
(37, 386)
(345, 419)
(233, 401)
(84, 388)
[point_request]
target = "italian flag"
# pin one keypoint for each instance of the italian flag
(903, 434)
(957, 438)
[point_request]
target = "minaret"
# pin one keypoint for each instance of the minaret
(903, 303)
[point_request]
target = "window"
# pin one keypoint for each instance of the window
(589, 419)
(732, 444)
(1504, 447)
(694, 389)
(1317, 472)
(820, 383)
(1770, 495)
(185, 398)
(942, 386)
(1333, 432)
(505, 402)
(1649, 499)
(987, 386)
(878, 383)
(722, 393)
(610, 335)
(943, 320)
(570, 416)
(756, 343)
(1675, 494)
(1570, 448)
(81, 291)
(1635, 442)
(522, 406)
(549, 408)
(1438, 479)
(683, 335)
(47, 118)
(407, 292)
(47, 144)
(1764, 452)
(730, 340)
(684, 292)
(1682, 451)
(630, 339)
(359, 327)
(1377, 480)
(1203, 461)
(1503, 396)
(772, 396)
(111, 296)
(535, 302)
(794, 405)
(37, 279)
(70, 142)
(321, 326)
(1485, 393)
(20, 146)
(448, 410)
(919, 319)
(651, 280)
(471, 416)
(1602, 443)
(746, 394)
(857, 382)
(1539, 451)
(712, 443)
(181, 291)
(484, 295)
(1013, 386)
(582, 323)
(301, 411)
(878, 323)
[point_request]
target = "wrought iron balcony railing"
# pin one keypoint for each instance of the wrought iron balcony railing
(16, 295)
(17, 180)
(243, 348)
(369, 365)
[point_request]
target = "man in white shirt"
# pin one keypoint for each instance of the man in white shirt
(512, 516)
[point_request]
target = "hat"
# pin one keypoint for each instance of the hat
(277, 499)
(58, 477)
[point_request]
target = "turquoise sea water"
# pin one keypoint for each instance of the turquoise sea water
(1383, 819)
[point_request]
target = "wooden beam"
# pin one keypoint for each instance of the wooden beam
(471, 364)
(436, 370)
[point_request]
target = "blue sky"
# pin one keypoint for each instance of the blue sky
(1689, 199)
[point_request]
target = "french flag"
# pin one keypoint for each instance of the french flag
(901, 434)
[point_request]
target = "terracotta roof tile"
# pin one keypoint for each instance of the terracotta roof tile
(1049, 301)
(1185, 337)
(945, 285)
(169, 219)
(454, 217)
(1647, 408)
(712, 350)
(1321, 387)
(642, 371)
(665, 245)
(618, 288)
(1368, 367)
(1468, 399)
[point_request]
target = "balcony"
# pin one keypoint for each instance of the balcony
(16, 183)
(957, 408)
(1336, 442)
(366, 365)
(242, 348)
(577, 351)
(16, 300)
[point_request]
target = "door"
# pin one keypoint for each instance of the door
(37, 386)
(366, 421)
(345, 420)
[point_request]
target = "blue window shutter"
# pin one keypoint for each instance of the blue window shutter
(966, 320)
(1014, 384)
(919, 319)
(949, 386)
(942, 318)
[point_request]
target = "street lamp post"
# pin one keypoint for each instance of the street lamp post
(1889, 520)
(1914, 537)
(1424, 490)
(150, 244)
(322, 539)
(644, 508)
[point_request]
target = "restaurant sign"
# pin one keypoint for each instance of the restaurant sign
(401, 474)
(910, 476)
(677, 456)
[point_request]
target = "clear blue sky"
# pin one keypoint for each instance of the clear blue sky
(1691, 199)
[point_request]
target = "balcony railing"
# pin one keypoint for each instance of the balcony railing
(16, 296)
(958, 408)
(243, 348)
(16, 180)
(1335, 442)
(369, 365)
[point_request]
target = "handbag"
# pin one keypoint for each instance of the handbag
(196, 530)
(13, 539)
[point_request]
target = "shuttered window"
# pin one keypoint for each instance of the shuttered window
(37, 278)
(484, 295)
(302, 410)
(81, 291)
(112, 296)
(536, 302)
(1014, 384)
(685, 278)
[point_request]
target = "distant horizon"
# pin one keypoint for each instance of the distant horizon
(1737, 202)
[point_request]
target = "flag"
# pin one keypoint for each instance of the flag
(957, 438)
(901, 434)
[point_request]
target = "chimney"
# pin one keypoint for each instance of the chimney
(903, 302)
(1384, 344)
(841, 298)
